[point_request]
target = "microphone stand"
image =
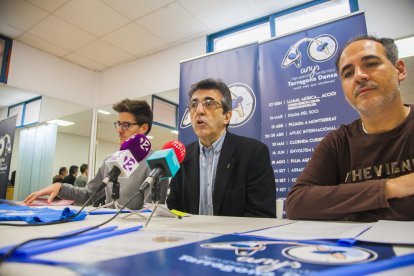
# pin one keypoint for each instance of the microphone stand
(115, 200)
(155, 197)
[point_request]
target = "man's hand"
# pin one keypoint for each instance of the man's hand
(52, 191)
(402, 186)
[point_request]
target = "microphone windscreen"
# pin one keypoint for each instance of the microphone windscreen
(138, 145)
(178, 148)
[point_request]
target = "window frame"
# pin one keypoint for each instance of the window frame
(269, 19)
(169, 102)
(24, 104)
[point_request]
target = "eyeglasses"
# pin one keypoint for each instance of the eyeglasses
(208, 104)
(123, 125)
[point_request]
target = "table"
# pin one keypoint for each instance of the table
(195, 223)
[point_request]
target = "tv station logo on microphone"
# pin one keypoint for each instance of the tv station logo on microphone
(129, 163)
(243, 106)
(145, 144)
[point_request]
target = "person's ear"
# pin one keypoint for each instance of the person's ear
(402, 70)
(144, 128)
(227, 118)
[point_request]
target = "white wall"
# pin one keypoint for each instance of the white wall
(387, 18)
(153, 74)
(103, 149)
(48, 75)
(70, 150)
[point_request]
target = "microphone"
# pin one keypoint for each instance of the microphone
(125, 161)
(164, 163)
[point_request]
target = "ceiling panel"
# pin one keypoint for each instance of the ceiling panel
(61, 33)
(48, 5)
(92, 16)
(43, 45)
(20, 14)
(84, 61)
(172, 23)
(134, 39)
(134, 9)
(104, 53)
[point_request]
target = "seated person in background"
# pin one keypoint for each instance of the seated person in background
(81, 180)
(222, 173)
(63, 172)
(135, 117)
(73, 173)
(363, 171)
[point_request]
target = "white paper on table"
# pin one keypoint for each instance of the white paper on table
(390, 231)
(312, 230)
(123, 245)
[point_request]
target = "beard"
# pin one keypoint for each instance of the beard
(376, 104)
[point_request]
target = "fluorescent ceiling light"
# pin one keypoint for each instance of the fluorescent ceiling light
(174, 131)
(405, 47)
(104, 112)
(61, 122)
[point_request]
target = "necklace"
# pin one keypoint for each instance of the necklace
(362, 123)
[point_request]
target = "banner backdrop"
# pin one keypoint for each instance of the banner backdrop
(238, 69)
(236, 255)
(302, 98)
(7, 129)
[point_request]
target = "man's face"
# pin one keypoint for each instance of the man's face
(126, 117)
(208, 123)
(370, 81)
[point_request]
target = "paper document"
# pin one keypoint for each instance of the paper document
(390, 231)
(125, 245)
(312, 230)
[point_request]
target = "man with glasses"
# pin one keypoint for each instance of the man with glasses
(223, 173)
(134, 117)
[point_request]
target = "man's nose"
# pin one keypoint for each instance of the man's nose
(360, 74)
(200, 108)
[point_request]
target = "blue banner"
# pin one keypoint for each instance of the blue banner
(238, 69)
(302, 98)
(7, 129)
(231, 255)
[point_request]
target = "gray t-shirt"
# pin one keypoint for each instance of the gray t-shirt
(80, 181)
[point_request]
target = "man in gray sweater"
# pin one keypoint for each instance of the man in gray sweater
(135, 117)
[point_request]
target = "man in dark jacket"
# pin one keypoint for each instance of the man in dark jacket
(222, 173)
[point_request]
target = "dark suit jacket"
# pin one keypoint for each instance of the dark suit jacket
(244, 185)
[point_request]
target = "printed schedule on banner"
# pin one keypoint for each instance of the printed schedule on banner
(302, 98)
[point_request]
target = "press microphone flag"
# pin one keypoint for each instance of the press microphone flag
(168, 159)
(164, 163)
(125, 161)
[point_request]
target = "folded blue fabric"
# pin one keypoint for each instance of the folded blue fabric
(36, 215)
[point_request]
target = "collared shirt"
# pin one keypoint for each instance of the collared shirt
(208, 166)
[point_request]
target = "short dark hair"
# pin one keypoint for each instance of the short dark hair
(62, 169)
(83, 168)
(140, 109)
(389, 45)
(218, 85)
(73, 169)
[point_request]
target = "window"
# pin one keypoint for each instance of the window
(293, 19)
(256, 33)
(310, 16)
(165, 112)
(27, 112)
